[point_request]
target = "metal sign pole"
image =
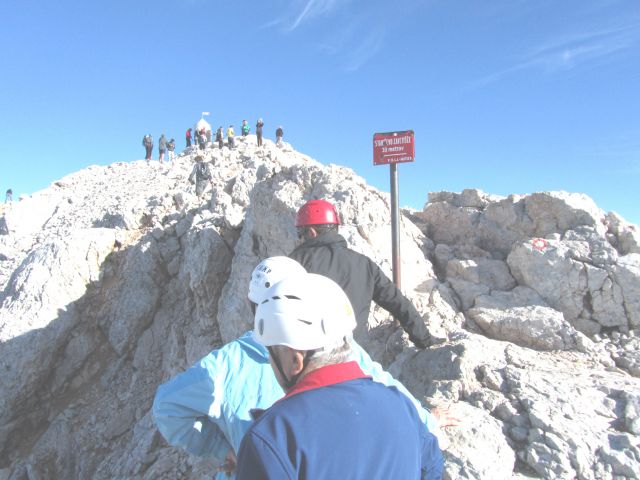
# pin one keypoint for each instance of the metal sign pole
(395, 226)
(392, 148)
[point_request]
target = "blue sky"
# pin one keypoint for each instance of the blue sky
(509, 96)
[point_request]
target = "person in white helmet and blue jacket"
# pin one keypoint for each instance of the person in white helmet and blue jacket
(206, 409)
(334, 420)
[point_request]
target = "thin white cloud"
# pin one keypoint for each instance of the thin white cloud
(271, 24)
(355, 35)
(584, 47)
(361, 53)
(306, 10)
(351, 40)
(569, 52)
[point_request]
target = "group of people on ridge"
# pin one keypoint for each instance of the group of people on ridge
(164, 146)
(202, 137)
(297, 397)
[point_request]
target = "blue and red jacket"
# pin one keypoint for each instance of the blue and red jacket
(338, 423)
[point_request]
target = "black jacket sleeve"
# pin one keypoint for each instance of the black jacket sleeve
(389, 297)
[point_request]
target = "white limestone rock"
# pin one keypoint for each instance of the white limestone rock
(624, 235)
(122, 277)
(522, 317)
(626, 274)
(553, 273)
(471, 278)
(496, 225)
(562, 274)
(466, 459)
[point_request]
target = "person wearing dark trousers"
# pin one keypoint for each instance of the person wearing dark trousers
(259, 126)
(201, 176)
(162, 148)
(147, 143)
(220, 137)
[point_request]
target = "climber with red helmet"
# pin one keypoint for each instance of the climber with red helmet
(333, 416)
(325, 251)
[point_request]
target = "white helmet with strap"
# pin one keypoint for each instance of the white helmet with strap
(269, 272)
(305, 312)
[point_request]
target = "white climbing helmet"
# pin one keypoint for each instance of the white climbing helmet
(305, 312)
(269, 272)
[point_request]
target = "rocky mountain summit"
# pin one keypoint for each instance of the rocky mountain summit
(116, 278)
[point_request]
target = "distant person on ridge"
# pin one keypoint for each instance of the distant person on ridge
(231, 137)
(188, 137)
(162, 148)
(245, 128)
(259, 126)
(279, 134)
(147, 143)
(202, 140)
(9, 196)
(220, 137)
(201, 175)
(325, 251)
(171, 146)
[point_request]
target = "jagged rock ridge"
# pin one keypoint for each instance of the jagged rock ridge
(116, 278)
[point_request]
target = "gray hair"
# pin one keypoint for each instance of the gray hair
(340, 352)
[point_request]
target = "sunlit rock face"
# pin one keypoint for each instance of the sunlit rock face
(116, 278)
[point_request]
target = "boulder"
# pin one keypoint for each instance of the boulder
(466, 458)
(116, 278)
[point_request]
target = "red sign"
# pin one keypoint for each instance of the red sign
(393, 147)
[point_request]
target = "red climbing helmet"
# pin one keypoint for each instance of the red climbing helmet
(317, 212)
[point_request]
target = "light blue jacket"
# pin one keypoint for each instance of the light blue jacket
(206, 409)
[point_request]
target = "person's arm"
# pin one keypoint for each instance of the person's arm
(184, 411)
(432, 461)
(258, 460)
(389, 297)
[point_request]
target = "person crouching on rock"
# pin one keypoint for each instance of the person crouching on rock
(201, 174)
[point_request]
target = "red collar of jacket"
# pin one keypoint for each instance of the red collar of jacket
(321, 377)
(327, 375)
